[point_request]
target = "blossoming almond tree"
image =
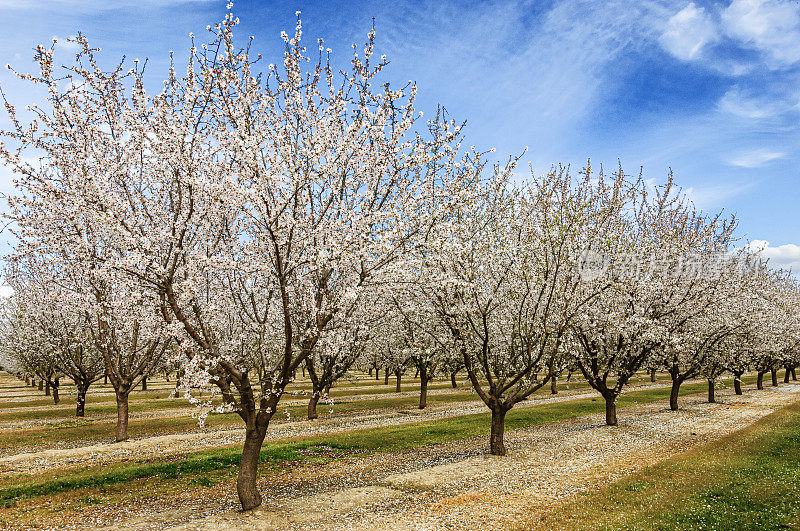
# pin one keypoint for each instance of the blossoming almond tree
(25, 344)
(654, 264)
(308, 182)
(48, 300)
(502, 276)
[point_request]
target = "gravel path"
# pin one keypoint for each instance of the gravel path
(280, 428)
(457, 486)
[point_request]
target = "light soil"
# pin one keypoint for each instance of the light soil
(457, 486)
(280, 429)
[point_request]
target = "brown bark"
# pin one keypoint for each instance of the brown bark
(386, 377)
(496, 445)
(787, 375)
(737, 385)
(80, 407)
(611, 409)
(247, 479)
(56, 398)
(554, 385)
(312, 406)
(398, 376)
(144, 383)
(711, 398)
(47, 388)
(453, 380)
(122, 417)
(652, 375)
(774, 374)
(794, 374)
(673, 394)
(41, 384)
(423, 391)
(760, 380)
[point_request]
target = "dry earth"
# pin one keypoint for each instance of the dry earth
(457, 486)
(280, 428)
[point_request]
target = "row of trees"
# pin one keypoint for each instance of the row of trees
(245, 223)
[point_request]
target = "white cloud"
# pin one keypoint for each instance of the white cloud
(781, 256)
(66, 43)
(736, 102)
(714, 196)
(688, 31)
(770, 26)
(97, 5)
(755, 158)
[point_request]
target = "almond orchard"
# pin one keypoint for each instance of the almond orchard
(257, 240)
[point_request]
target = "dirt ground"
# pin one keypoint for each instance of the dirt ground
(456, 485)
(280, 428)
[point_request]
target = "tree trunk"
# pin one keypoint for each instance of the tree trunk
(144, 383)
(398, 375)
(496, 445)
(105, 379)
(611, 410)
(760, 380)
(312, 406)
(386, 377)
(554, 385)
(122, 417)
(80, 408)
(653, 375)
(423, 391)
(56, 398)
(673, 394)
(377, 374)
(369, 371)
(47, 387)
(711, 398)
(787, 375)
(247, 480)
(774, 374)
(41, 385)
(794, 374)
(453, 380)
(737, 384)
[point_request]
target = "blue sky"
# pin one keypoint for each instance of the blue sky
(710, 89)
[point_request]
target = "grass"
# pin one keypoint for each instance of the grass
(196, 465)
(385, 439)
(747, 480)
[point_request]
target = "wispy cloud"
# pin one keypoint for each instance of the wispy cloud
(711, 197)
(96, 5)
(780, 256)
(755, 158)
(66, 43)
(766, 104)
(769, 26)
(688, 31)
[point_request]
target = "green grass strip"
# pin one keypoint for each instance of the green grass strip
(390, 438)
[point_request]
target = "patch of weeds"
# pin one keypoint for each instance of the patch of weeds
(637, 486)
(202, 481)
